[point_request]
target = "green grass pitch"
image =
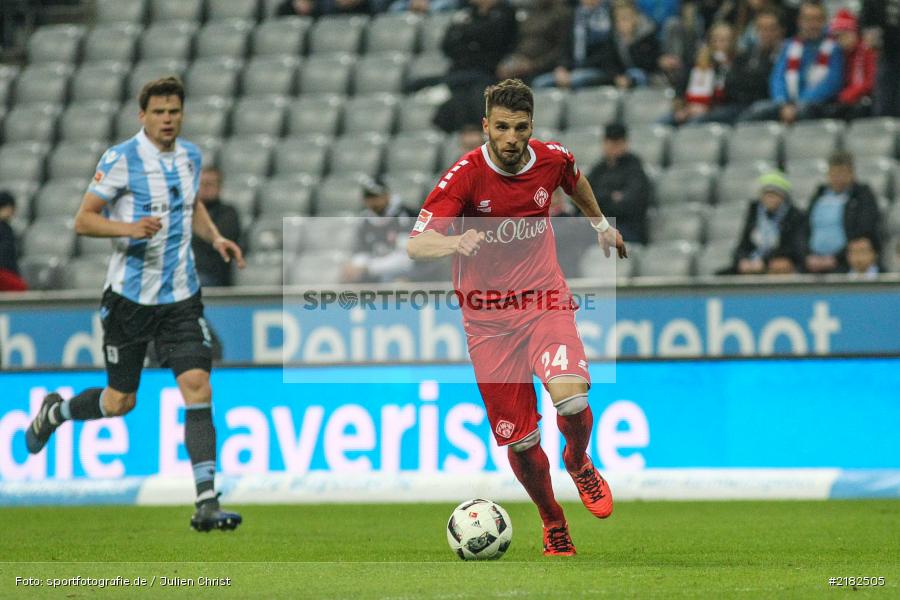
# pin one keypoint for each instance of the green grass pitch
(399, 551)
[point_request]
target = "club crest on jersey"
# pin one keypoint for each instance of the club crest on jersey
(541, 196)
(505, 429)
(98, 176)
(484, 206)
(422, 221)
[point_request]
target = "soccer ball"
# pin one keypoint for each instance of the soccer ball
(479, 530)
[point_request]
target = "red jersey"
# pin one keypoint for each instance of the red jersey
(515, 273)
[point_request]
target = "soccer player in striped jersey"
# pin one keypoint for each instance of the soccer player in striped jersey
(143, 197)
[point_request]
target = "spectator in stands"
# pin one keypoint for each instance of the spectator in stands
(881, 21)
(862, 259)
(772, 239)
(659, 11)
(622, 187)
(379, 253)
(590, 27)
(631, 53)
(742, 14)
(841, 210)
(542, 41)
(860, 67)
(423, 7)
(808, 75)
(705, 89)
(10, 279)
(318, 8)
(681, 38)
(573, 233)
(212, 270)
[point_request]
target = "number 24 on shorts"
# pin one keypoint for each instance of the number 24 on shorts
(560, 359)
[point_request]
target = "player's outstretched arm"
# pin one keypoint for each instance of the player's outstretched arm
(206, 230)
(89, 221)
(431, 245)
(607, 235)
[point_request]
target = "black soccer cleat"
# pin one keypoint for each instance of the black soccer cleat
(210, 516)
(40, 430)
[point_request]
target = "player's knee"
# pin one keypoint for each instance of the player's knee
(561, 390)
(532, 439)
(572, 405)
(117, 404)
(195, 387)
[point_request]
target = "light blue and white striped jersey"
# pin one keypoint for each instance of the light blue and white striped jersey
(137, 180)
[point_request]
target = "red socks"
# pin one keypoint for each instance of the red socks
(577, 431)
(532, 469)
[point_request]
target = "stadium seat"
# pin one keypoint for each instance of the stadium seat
(303, 155)
(755, 141)
(210, 147)
(686, 183)
(875, 137)
(42, 271)
(601, 270)
(31, 123)
(646, 105)
(55, 43)
(286, 196)
(414, 152)
(176, 10)
(337, 34)
(360, 153)
(376, 113)
(87, 273)
(693, 144)
(585, 145)
(433, 30)
(206, 117)
(59, 198)
(47, 82)
(736, 183)
(327, 74)
(715, 256)
(240, 192)
(263, 269)
(316, 268)
(88, 121)
(24, 161)
(592, 107)
(725, 223)
(332, 233)
(213, 77)
(219, 10)
(246, 156)
(877, 173)
(149, 70)
(6, 88)
(549, 107)
(75, 159)
(24, 191)
(893, 220)
(394, 32)
(315, 115)
(339, 194)
(52, 237)
(116, 42)
(259, 116)
(673, 223)
(650, 143)
(380, 73)
(95, 247)
(271, 75)
(120, 11)
(416, 113)
(126, 122)
(428, 66)
(812, 139)
(450, 153)
(806, 176)
(411, 186)
(668, 259)
(285, 36)
(223, 39)
(891, 254)
(265, 234)
(99, 81)
(173, 41)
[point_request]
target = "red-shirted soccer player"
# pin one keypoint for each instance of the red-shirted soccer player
(506, 253)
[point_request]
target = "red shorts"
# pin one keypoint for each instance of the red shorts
(548, 347)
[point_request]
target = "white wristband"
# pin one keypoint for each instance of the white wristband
(601, 226)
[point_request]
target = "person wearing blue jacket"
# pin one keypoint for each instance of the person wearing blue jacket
(808, 74)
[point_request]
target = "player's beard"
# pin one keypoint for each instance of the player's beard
(510, 162)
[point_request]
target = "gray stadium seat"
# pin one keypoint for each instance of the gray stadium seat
(317, 268)
(43, 83)
(120, 11)
(31, 123)
(95, 247)
(75, 159)
(893, 220)
(246, 156)
(646, 105)
(59, 198)
(271, 75)
(285, 36)
(127, 123)
(210, 147)
(212, 77)
(812, 139)
(412, 186)
(316, 114)
(434, 29)
(303, 155)
(286, 196)
(755, 141)
(99, 81)
(223, 39)
(23, 190)
(217, 10)
(549, 107)
(263, 269)
(592, 107)
(736, 183)
(259, 116)
(715, 256)
(672, 223)
(337, 34)
(327, 74)
(87, 273)
(240, 191)
(602, 270)
(428, 66)
(55, 43)
(878, 173)
(668, 259)
(6, 88)
(697, 144)
(206, 117)
(331, 233)
(370, 114)
(806, 176)
(115, 42)
(585, 145)
(339, 194)
(876, 137)
(725, 223)
(891, 254)
(42, 271)
(265, 234)
(176, 10)
(684, 184)
(380, 73)
(361, 153)
(394, 32)
(168, 40)
(24, 160)
(53, 236)
(149, 70)
(88, 121)
(650, 143)
(414, 152)
(416, 113)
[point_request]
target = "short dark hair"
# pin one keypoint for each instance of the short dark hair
(167, 86)
(7, 199)
(841, 159)
(511, 94)
(814, 4)
(615, 131)
(771, 11)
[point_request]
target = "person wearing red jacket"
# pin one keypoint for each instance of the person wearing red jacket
(860, 67)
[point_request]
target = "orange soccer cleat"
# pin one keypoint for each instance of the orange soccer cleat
(557, 541)
(594, 491)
